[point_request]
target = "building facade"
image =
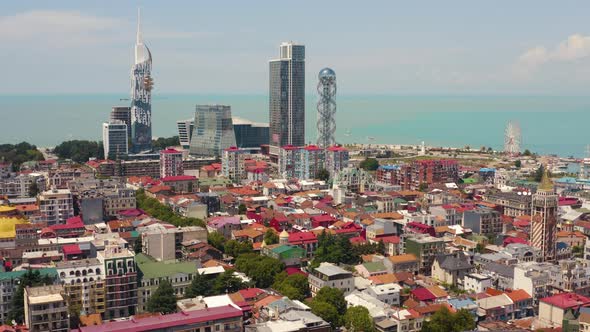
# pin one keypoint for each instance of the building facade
(122, 113)
(121, 281)
(46, 309)
(141, 96)
(287, 97)
(544, 219)
(336, 159)
(56, 206)
(115, 139)
(330, 275)
(171, 163)
(213, 130)
(84, 284)
(250, 135)
(185, 131)
(232, 164)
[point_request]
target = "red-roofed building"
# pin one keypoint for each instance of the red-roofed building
(552, 308)
(306, 240)
(206, 319)
(391, 243)
(323, 220)
(170, 163)
(419, 228)
(182, 183)
(74, 227)
(72, 252)
(422, 294)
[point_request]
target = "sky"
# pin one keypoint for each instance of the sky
(375, 47)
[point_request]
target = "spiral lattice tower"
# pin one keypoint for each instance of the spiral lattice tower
(326, 108)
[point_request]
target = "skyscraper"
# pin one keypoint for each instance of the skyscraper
(287, 97)
(326, 108)
(122, 113)
(141, 96)
(213, 130)
(185, 131)
(114, 139)
(544, 218)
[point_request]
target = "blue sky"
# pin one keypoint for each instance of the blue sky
(223, 47)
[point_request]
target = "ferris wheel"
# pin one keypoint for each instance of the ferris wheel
(512, 138)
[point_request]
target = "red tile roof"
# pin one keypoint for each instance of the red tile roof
(170, 151)
(423, 294)
(71, 249)
(302, 237)
(566, 300)
(179, 178)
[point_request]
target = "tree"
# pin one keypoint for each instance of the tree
(295, 286)
(163, 212)
(163, 300)
(200, 286)
(33, 189)
(323, 174)
(74, 313)
(333, 296)
(217, 240)
(236, 248)
(31, 278)
(527, 153)
(445, 321)
(480, 248)
(16, 154)
(271, 237)
(327, 312)
(227, 282)
(242, 209)
(164, 142)
(369, 164)
(138, 245)
(517, 163)
(539, 173)
(261, 269)
(79, 151)
(358, 319)
(577, 251)
(335, 249)
(423, 187)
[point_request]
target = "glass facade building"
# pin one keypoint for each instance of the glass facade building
(287, 98)
(141, 97)
(115, 140)
(249, 135)
(213, 130)
(122, 113)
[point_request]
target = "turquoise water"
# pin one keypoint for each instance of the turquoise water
(556, 125)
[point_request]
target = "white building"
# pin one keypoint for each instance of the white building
(330, 275)
(115, 140)
(56, 206)
(232, 164)
(477, 283)
(84, 283)
(170, 163)
(387, 293)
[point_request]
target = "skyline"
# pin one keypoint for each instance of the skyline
(417, 49)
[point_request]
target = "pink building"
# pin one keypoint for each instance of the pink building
(170, 163)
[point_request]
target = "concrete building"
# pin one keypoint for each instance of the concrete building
(171, 163)
(46, 309)
(164, 244)
(512, 204)
(386, 293)
(250, 135)
(483, 221)
(115, 140)
(123, 114)
(232, 164)
(330, 275)
(287, 97)
(533, 278)
(182, 184)
(477, 283)
(544, 219)
(179, 274)
(19, 186)
(336, 159)
(425, 248)
(185, 131)
(84, 284)
(213, 131)
(401, 263)
(9, 282)
(452, 268)
(553, 308)
(121, 281)
(56, 206)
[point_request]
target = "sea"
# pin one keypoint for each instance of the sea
(549, 124)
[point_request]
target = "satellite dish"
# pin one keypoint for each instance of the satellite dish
(519, 193)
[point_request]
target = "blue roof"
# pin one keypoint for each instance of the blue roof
(486, 169)
(566, 179)
(389, 167)
(461, 303)
(561, 245)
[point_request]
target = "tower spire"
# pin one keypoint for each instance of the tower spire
(139, 37)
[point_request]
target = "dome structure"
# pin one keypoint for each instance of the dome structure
(326, 73)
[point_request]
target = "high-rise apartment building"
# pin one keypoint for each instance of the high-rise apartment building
(84, 284)
(300, 162)
(115, 139)
(544, 218)
(46, 309)
(232, 164)
(56, 206)
(121, 281)
(287, 97)
(170, 163)
(122, 113)
(336, 159)
(141, 96)
(185, 131)
(213, 130)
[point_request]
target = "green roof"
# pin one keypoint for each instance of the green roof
(152, 269)
(17, 274)
(374, 266)
(470, 180)
(284, 248)
(399, 200)
(213, 181)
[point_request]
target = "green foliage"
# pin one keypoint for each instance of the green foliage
(137, 245)
(261, 269)
(164, 142)
(163, 212)
(480, 248)
(227, 282)
(327, 312)
(423, 187)
(217, 240)
(74, 312)
(200, 286)
(236, 248)
(538, 176)
(323, 174)
(80, 151)
(163, 300)
(19, 153)
(338, 249)
(271, 237)
(445, 321)
(358, 319)
(577, 251)
(527, 153)
(333, 296)
(517, 163)
(295, 286)
(242, 209)
(33, 189)
(369, 164)
(31, 278)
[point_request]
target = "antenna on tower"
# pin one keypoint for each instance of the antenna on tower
(512, 139)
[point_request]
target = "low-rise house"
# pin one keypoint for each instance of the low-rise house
(477, 283)
(387, 293)
(523, 303)
(451, 268)
(371, 269)
(499, 307)
(400, 263)
(306, 240)
(401, 320)
(287, 254)
(378, 310)
(552, 308)
(330, 275)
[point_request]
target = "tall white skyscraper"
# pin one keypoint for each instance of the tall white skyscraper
(114, 139)
(287, 97)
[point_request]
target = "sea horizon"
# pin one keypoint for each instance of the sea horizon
(551, 124)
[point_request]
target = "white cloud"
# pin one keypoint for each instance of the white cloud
(575, 47)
